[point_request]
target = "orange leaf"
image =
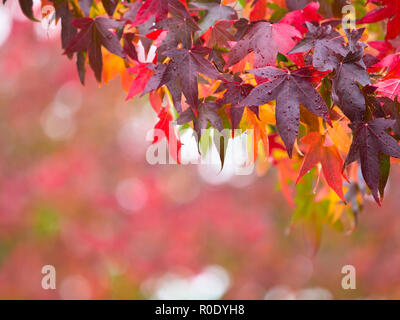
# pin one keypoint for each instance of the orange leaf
(328, 156)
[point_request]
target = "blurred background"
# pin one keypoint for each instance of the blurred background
(76, 192)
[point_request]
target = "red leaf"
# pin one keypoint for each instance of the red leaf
(174, 144)
(94, 34)
(259, 39)
(391, 11)
(143, 74)
(328, 157)
(298, 18)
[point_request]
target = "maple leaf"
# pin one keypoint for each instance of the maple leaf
(207, 113)
(187, 64)
(289, 90)
(215, 11)
(266, 40)
(93, 34)
(235, 92)
(327, 44)
(321, 150)
(369, 140)
(391, 11)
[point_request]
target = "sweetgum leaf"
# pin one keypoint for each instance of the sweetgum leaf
(370, 139)
(346, 92)
(110, 6)
(85, 6)
(129, 47)
(207, 113)
(234, 94)
(392, 109)
(350, 73)
(159, 9)
(242, 26)
(391, 11)
(327, 43)
(68, 31)
(132, 12)
(93, 34)
(265, 40)
(384, 169)
(289, 90)
(296, 4)
(220, 34)
(215, 11)
(180, 30)
(80, 65)
(26, 7)
(164, 74)
(187, 64)
(329, 158)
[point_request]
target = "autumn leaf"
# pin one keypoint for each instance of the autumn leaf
(143, 74)
(187, 65)
(159, 9)
(327, 44)
(389, 88)
(298, 18)
(390, 11)
(164, 124)
(219, 34)
(234, 93)
(93, 34)
(371, 139)
(289, 89)
(265, 40)
(296, 4)
(350, 74)
(207, 113)
(180, 30)
(68, 31)
(322, 151)
(215, 11)
(27, 8)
